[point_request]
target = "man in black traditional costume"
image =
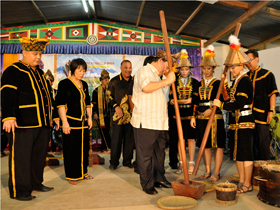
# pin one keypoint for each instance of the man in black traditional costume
(120, 88)
(28, 113)
(265, 92)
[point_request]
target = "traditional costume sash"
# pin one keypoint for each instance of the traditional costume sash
(184, 118)
(235, 127)
(213, 127)
(101, 103)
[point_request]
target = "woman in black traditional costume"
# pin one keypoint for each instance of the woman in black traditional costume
(203, 98)
(242, 122)
(184, 85)
(73, 103)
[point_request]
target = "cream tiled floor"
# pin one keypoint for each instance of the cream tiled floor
(114, 190)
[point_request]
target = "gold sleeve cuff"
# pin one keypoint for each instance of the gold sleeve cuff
(56, 119)
(115, 105)
(61, 106)
(9, 118)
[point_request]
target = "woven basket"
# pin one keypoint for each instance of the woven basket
(226, 193)
(176, 202)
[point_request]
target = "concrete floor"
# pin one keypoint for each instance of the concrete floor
(115, 190)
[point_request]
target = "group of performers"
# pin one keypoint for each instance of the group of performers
(29, 110)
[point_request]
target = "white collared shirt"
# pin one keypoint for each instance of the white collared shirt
(150, 109)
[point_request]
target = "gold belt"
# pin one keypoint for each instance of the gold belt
(184, 118)
(185, 106)
(213, 128)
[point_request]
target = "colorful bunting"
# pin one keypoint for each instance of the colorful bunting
(131, 36)
(51, 33)
(106, 33)
(18, 34)
(78, 32)
(33, 33)
(5, 36)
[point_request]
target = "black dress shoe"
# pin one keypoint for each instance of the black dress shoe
(130, 165)
(25, 197)
(165, 184)
(44, 189)
(150, 191)
(113, 167)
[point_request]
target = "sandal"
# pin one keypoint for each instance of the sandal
(205, 176)
(88, 177)
(214, 177)
(239, 184)
(73, 182)
(178, 171)
(191, 164)
(244, 189)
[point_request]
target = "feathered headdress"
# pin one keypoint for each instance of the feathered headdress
(235, 55)
(184, 59)
(209, 57)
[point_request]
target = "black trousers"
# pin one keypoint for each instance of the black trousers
(105, 143)
(122, 140)
(150, 145)
(28, 150)
(262, 138)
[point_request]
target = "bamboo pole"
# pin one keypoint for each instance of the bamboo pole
(178, 118)
(211, 118)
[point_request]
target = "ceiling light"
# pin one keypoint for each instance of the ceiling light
(85, 5)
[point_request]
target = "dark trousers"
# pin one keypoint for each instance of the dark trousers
(122, 135)
(150, 145)
(105, 134)
(28, 150)
(262, 138)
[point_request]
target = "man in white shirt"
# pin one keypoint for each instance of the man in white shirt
(150, 122)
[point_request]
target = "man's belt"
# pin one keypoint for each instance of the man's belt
(185, 106)
(247, 106)
(206, 104)
(242, 113)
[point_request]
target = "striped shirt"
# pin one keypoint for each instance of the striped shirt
(150, 109)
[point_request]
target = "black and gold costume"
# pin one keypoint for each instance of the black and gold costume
(184, 91)
(264, 86)
(76, 144)
(202, 100)
(27, 98)
(119, 90)
(239, 101)
(102, 110)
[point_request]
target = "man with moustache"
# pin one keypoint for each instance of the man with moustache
(119, 90)
(150, 122)
(264, 101)
(28, 113)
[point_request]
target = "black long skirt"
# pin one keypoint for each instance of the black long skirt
(75, 153)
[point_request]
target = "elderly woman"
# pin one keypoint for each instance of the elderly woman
(239, 101)
(184, 86)
(202, 103)
(101, 113)
(73, 103)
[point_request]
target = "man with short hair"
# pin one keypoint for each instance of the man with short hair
(119, 90)
(265, 92)
(28, 114)
(150, 122)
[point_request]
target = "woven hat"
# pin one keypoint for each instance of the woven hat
(49, 75)
(162, 54)
(33, 44)
(104, 75)
(209, 57)
(184, 59)
(235, 55)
